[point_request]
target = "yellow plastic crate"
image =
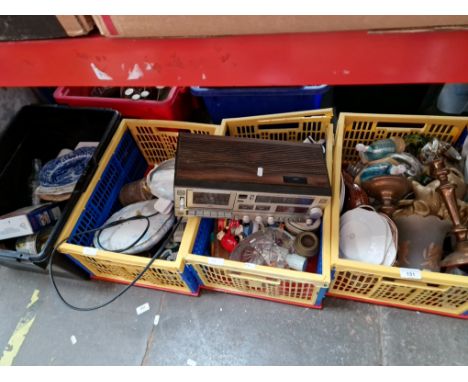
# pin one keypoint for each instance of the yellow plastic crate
(435, 292)
(289, 286)
(135, 145)
(295, 126)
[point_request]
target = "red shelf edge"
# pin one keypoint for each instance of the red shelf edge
(338, 58)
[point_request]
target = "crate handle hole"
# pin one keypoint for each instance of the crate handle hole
(400, 125)
(172, 130)
(279, 126)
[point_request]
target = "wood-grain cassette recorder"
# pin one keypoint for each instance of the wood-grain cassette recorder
(226, 177)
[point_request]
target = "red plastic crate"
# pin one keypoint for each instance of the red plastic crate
(177, 105)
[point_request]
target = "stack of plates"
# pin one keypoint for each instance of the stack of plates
(368, 236)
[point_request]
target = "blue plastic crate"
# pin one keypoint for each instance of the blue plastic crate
(126, 165)
(244, 102)
(203, 239)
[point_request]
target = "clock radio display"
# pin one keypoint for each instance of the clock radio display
(211, 198)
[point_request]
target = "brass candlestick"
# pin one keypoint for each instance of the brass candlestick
(447, 192)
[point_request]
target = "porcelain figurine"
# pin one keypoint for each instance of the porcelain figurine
(379, 168)
(414, 168)
(436, 149)
(420, 207)
(431, 196)
(380, 149)
(412, 207)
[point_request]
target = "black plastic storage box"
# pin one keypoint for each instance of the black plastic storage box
(41, 132)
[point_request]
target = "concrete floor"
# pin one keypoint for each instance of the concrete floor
(213, 329)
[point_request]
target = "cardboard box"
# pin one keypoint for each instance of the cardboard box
(43, 27)
(76, 25)
(27, 221)
(191, 26)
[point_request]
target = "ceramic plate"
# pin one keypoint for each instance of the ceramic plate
(66, 169)
(363, 236)
(390, 256)
(122, 235)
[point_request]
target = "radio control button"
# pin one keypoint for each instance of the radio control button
(315, 213)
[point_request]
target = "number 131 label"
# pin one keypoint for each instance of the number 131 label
(408, 273)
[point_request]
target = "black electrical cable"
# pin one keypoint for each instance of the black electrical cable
(119, 222)
(155, 257)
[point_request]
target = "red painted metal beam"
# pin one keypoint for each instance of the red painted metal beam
(296, 59)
